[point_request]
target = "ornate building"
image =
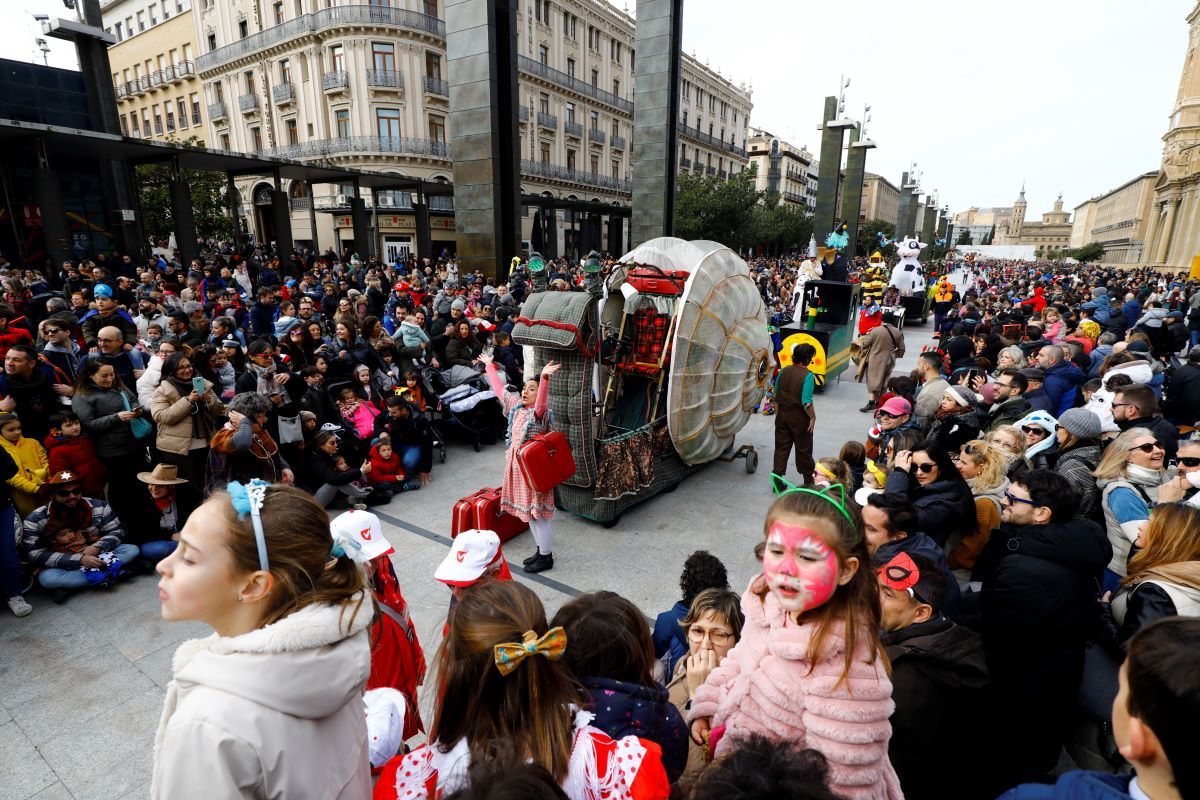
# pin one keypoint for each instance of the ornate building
(1175, 219)
(1118, 219)
(783, 169)
(1052, 234)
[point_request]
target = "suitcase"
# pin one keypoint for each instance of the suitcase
(652, 281)
(481, 511)
(545, 460)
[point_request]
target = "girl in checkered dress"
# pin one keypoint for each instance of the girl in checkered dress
(527, 415)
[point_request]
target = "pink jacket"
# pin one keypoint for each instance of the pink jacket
(765, 686)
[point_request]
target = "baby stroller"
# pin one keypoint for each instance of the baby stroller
(469, 407)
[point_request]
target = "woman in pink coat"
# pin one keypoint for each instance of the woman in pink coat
(809, 668)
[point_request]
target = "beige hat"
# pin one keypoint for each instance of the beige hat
(162, 475)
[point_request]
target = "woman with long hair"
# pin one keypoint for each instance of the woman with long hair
(295, 344)
(928, 478)
(186, 419)
(1163, 577)
(463, 349)
(501, 678)
(1129, 474)
(983, 466)
(271, 704)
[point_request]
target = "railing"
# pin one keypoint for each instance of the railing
(384, 78)
(318, 21)
(138, 85)
(217, 111)
(338, 79)
(596, 135)
(523, 113)
(793, 197)
(120, 90)
(437, 86)
(154, 79)
(248, 103)
(301, 203)
(618, 142)
(710, 170)
(685, 162)
(552, 172)
(170, 124)
(711, 141)
(320, 148)
(184, 69)
(283, 92)
(547, 121)
(722, 174)
(573, 129)
(559, 78)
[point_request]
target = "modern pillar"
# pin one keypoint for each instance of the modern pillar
(910, 227)
(312, 218)
(183, 215)
(550, 245)
(930, 222)
(235, 209)
(281, 217)
(48, 192)
(1168, 229)
(424, 234)
(656, 117)
(856, 168)
(1151, 245)
(361, 226)
(830, 172)
(481, 57)
(906, 201)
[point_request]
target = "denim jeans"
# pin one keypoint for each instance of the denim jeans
(1195, 337)
(410, 456)
(328, 492)
(10, 562)
(155, 552)
(74, 578)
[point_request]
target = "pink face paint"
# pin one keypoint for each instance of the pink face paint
(800, 567)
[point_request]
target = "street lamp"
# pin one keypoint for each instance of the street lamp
(45, 48)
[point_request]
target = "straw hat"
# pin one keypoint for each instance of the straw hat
(162, 475)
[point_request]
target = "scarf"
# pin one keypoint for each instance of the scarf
(266, 379)
(1185, 573)
(942, 413)
(1144, 476)
(202, 422)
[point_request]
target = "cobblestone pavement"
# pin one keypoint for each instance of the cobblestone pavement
(81, 684)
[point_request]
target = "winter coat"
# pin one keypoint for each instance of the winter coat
(952, 432)
(965, 553)
(92, 322)
(461, 353)
(173, 414)
(1132, 309)
(1075, 785)
(317, 470)
(276, 712)
(1134, 607)
(1077, 465)
(1152, 318)
(97, 410)
(1039, 401)
(1100, 307)
(1062, 384)
(881, 347)
(677, 689)
(77, 455)
(928, 398)
(943, 507)
(389, 471)
(768, 685)
(938, 677)
(1007, 413)
(670, 639)
(628, 709)
(1182, 402)
(32, 470)
(1127, 502)
(404, 432)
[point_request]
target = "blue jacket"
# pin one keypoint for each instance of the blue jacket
(670, 640)
(1101, 309)
(630, 709)
(1075, 785)
(1062, 384)
(1132, 310)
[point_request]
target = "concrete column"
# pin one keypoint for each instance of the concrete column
(362, 226)
(424, 234)
(656, 117)
(910, 226)
(235, 204)
(312, 218)
(1150, 246)
(830, 171)
(1168, 229)
(856, 167)
(48, 192)
(481, 61)
(281, 215)
(183, 217)
(550, 245)
(906, 200)
(930, 222)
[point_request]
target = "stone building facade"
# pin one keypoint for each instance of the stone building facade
(1119, 219)
(783, 169)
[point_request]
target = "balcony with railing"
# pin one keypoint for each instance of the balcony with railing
(793, 197)
(618, 142)
(711, 141)
(547, 121)
(283, 93)
(217, 111)
(301, 203)
(573, 129)
(387, 79)
(722, 174)
(685, 162)
(138, 85)
(551, 172)
(710, 170)
(336, 81)
(324, 19)
(182, 70)
(324, 148)
(248, 103)
(437, 86)
(539, 70)
(596, 135)
(155, 79)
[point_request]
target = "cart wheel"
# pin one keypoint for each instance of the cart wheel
(442, 456)
(751, 461)
(612, 522)
(476, 445)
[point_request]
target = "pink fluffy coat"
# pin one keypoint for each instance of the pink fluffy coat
(765, 685)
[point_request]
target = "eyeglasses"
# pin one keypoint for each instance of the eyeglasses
(696, 636)
(1012, 498)
(1188, 461)
(51, 331)
(1119, 405)
(1035, 430)
(296, 333)
(1148, 447)
(924, 469)
(67, 493)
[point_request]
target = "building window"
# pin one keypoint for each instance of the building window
(616, 87)
(614, 50)
(224, 141)
(594, 38)
(212, 42)
(243, 29)
(341, 123)
(545, 152)
(141, 20)
(616, 128)
(337, 56)
(595, 119)
(543, 54)
(431, 8)
(153, 18)
(383, 57)
(256, 138)
(133, 123)
(249, 74)
(570, 159)
(595, 165)
(616, 170)
(158, 128)
(195, 98)
(278, 7)
(544, 103)
(596, 77)
(571, 67)
(183, 112)
(218, 93)
(387, 123)
(293, 135)
(170, 118)
(433, 65)
(437, 129)
(117, 31)
(685, 119)
(570, 112)
(285, 70)
(569, 21)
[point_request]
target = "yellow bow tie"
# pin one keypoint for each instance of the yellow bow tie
(509, 655)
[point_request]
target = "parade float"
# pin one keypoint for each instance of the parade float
(908, 278)
(664, 360)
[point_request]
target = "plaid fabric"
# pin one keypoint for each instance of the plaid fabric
(649, 340)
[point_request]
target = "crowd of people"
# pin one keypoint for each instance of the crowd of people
(1006, 564)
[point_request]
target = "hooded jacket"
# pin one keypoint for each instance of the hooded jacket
(1038, 301)
(942, 507)
(938, 676)
(630, 709)
(1183, 400)
(77, 454)
(1099, 305)
(277, 712)
(1062, 384)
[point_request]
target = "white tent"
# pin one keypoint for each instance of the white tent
(1010, 252)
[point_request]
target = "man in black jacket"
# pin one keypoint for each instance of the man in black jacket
(938, 677)
(1182, 402)
(1041, 575)
(1010, 405)
(1137, 407)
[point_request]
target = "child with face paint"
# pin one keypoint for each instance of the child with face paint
(809, 668)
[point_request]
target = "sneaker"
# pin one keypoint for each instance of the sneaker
(541, 563)
(359, 506)
(870, 406)
(532, 558)
(19, 607)
(410, 486)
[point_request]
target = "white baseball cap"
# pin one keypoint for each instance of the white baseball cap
(384, 709)
(363, 527)
(473, 552)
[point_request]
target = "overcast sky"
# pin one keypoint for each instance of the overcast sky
(1069, 95)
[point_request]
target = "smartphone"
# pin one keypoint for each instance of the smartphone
(198, 385)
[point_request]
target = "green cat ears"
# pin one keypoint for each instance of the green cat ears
(782, 486)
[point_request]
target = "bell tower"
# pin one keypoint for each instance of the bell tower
(1018, 216)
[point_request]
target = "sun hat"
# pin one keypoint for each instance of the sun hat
(474, 551)
(162, 475)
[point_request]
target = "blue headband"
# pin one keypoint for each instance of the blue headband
(248, 499)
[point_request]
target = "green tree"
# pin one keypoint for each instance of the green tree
(1089, 252)
(210, 200)
(991, 236)
(707, 207)
(868, 237)
(964, 237)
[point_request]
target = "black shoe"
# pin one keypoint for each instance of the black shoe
(870, 406)
(139, 566)
(536, 554)
(378, 497)
(59, 596)
(541, 563)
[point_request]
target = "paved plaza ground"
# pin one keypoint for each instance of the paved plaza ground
(81, 684)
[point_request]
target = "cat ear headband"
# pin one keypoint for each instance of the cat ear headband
(782, 486)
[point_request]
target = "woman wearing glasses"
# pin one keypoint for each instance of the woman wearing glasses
(713, 626)
(1128, 475)
(928, 479)
(1039, 428)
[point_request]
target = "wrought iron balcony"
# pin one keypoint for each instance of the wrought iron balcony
(722, 174)
(338, 80)
(248, 103)
(618, 142)
(155, 79)
(324, 148)
(325, 19)
(536, 68)
(550, 171)
(301, 203)
(216, 111)
(685, 162)
(283, 93)
(547, 121)
(596, 135)
(384, 79)
(437, 86)
(711, 141)
(182, 70)
(710, 170)
(573, 129)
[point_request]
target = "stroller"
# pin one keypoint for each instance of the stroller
(470, 407)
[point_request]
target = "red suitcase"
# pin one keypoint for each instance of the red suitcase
(481, 511)
(545, 460)
(653, 281)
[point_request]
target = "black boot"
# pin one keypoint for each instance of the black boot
(541, 563)
(870, 406)
(536, 554)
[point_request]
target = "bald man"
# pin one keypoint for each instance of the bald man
(110, 343)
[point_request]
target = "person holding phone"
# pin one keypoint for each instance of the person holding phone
(186, 410)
